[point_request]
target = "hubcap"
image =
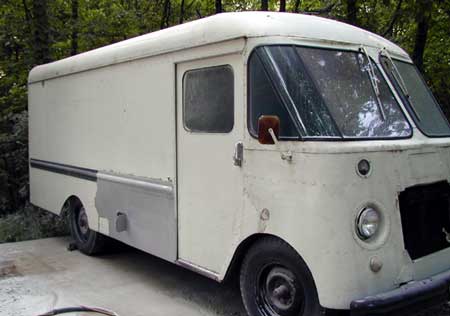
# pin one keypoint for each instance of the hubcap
(279, 292)
(280, 288)
(83, 224)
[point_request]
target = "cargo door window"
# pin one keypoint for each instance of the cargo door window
(208, 100)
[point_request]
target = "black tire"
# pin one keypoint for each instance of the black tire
(87, 241)
(275, 281)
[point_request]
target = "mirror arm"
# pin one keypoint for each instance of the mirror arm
(274, 137)
(284, 155)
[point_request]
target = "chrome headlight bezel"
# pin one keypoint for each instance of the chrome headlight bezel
(368, 223)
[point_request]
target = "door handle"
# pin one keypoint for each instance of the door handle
(238, 156)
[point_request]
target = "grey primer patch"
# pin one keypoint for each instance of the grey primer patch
(149, 209)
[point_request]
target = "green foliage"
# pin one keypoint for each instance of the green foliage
(34, 31)
(13, 161)
(103, 22)
(31, 223)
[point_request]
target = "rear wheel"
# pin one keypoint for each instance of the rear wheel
(275, 281)
(87, 241)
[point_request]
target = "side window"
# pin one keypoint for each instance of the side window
(263, 100)
(208, 100)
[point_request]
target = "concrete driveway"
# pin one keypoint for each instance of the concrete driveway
(39, 275)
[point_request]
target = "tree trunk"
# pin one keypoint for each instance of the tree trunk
(390, 28)
(297, 6)
(26, 11)
(181, 12)
(282, 5)
(264, 5)
(74, 35)
(41, 32)
(166, 15)
(199, 13)
(218, 6)
(423, 18)
(352, 10)
(28, 26)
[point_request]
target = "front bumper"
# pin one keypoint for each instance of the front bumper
(408, 299)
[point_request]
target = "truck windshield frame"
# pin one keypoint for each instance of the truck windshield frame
(425, 121)
(315, 112)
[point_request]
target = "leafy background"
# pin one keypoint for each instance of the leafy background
(33, 32)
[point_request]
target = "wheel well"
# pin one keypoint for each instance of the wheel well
(239, 254)
(69, 204)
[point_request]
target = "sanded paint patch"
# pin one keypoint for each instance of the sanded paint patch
(103, 225)
(426, 165)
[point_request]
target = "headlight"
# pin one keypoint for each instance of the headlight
(368, 223)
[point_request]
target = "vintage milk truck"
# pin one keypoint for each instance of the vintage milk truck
(305, 154)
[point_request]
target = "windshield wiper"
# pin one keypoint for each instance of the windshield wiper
(374, 83)
(396, 73)
(399, 78)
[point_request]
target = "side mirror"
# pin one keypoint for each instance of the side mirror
(266, 122)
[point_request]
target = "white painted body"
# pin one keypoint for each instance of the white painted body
(117, 110)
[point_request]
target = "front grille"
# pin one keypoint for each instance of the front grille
(425, 215)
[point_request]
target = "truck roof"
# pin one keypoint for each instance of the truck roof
(214, 29)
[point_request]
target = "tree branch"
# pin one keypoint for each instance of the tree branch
(218, 6)
(297, 6)
(352, 12)
(199, 14)
(181, 20)
(166, 14)
(394, 18)
(264, 5)
(282, 5)
(324, 10)
(74, 34)
(423, 18)
(27, 11)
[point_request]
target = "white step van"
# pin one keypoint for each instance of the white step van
(304, 153)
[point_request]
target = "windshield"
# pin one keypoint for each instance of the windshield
(322, 93)
(423, 107)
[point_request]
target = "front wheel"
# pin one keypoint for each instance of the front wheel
(275, 281)
(87, 241)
